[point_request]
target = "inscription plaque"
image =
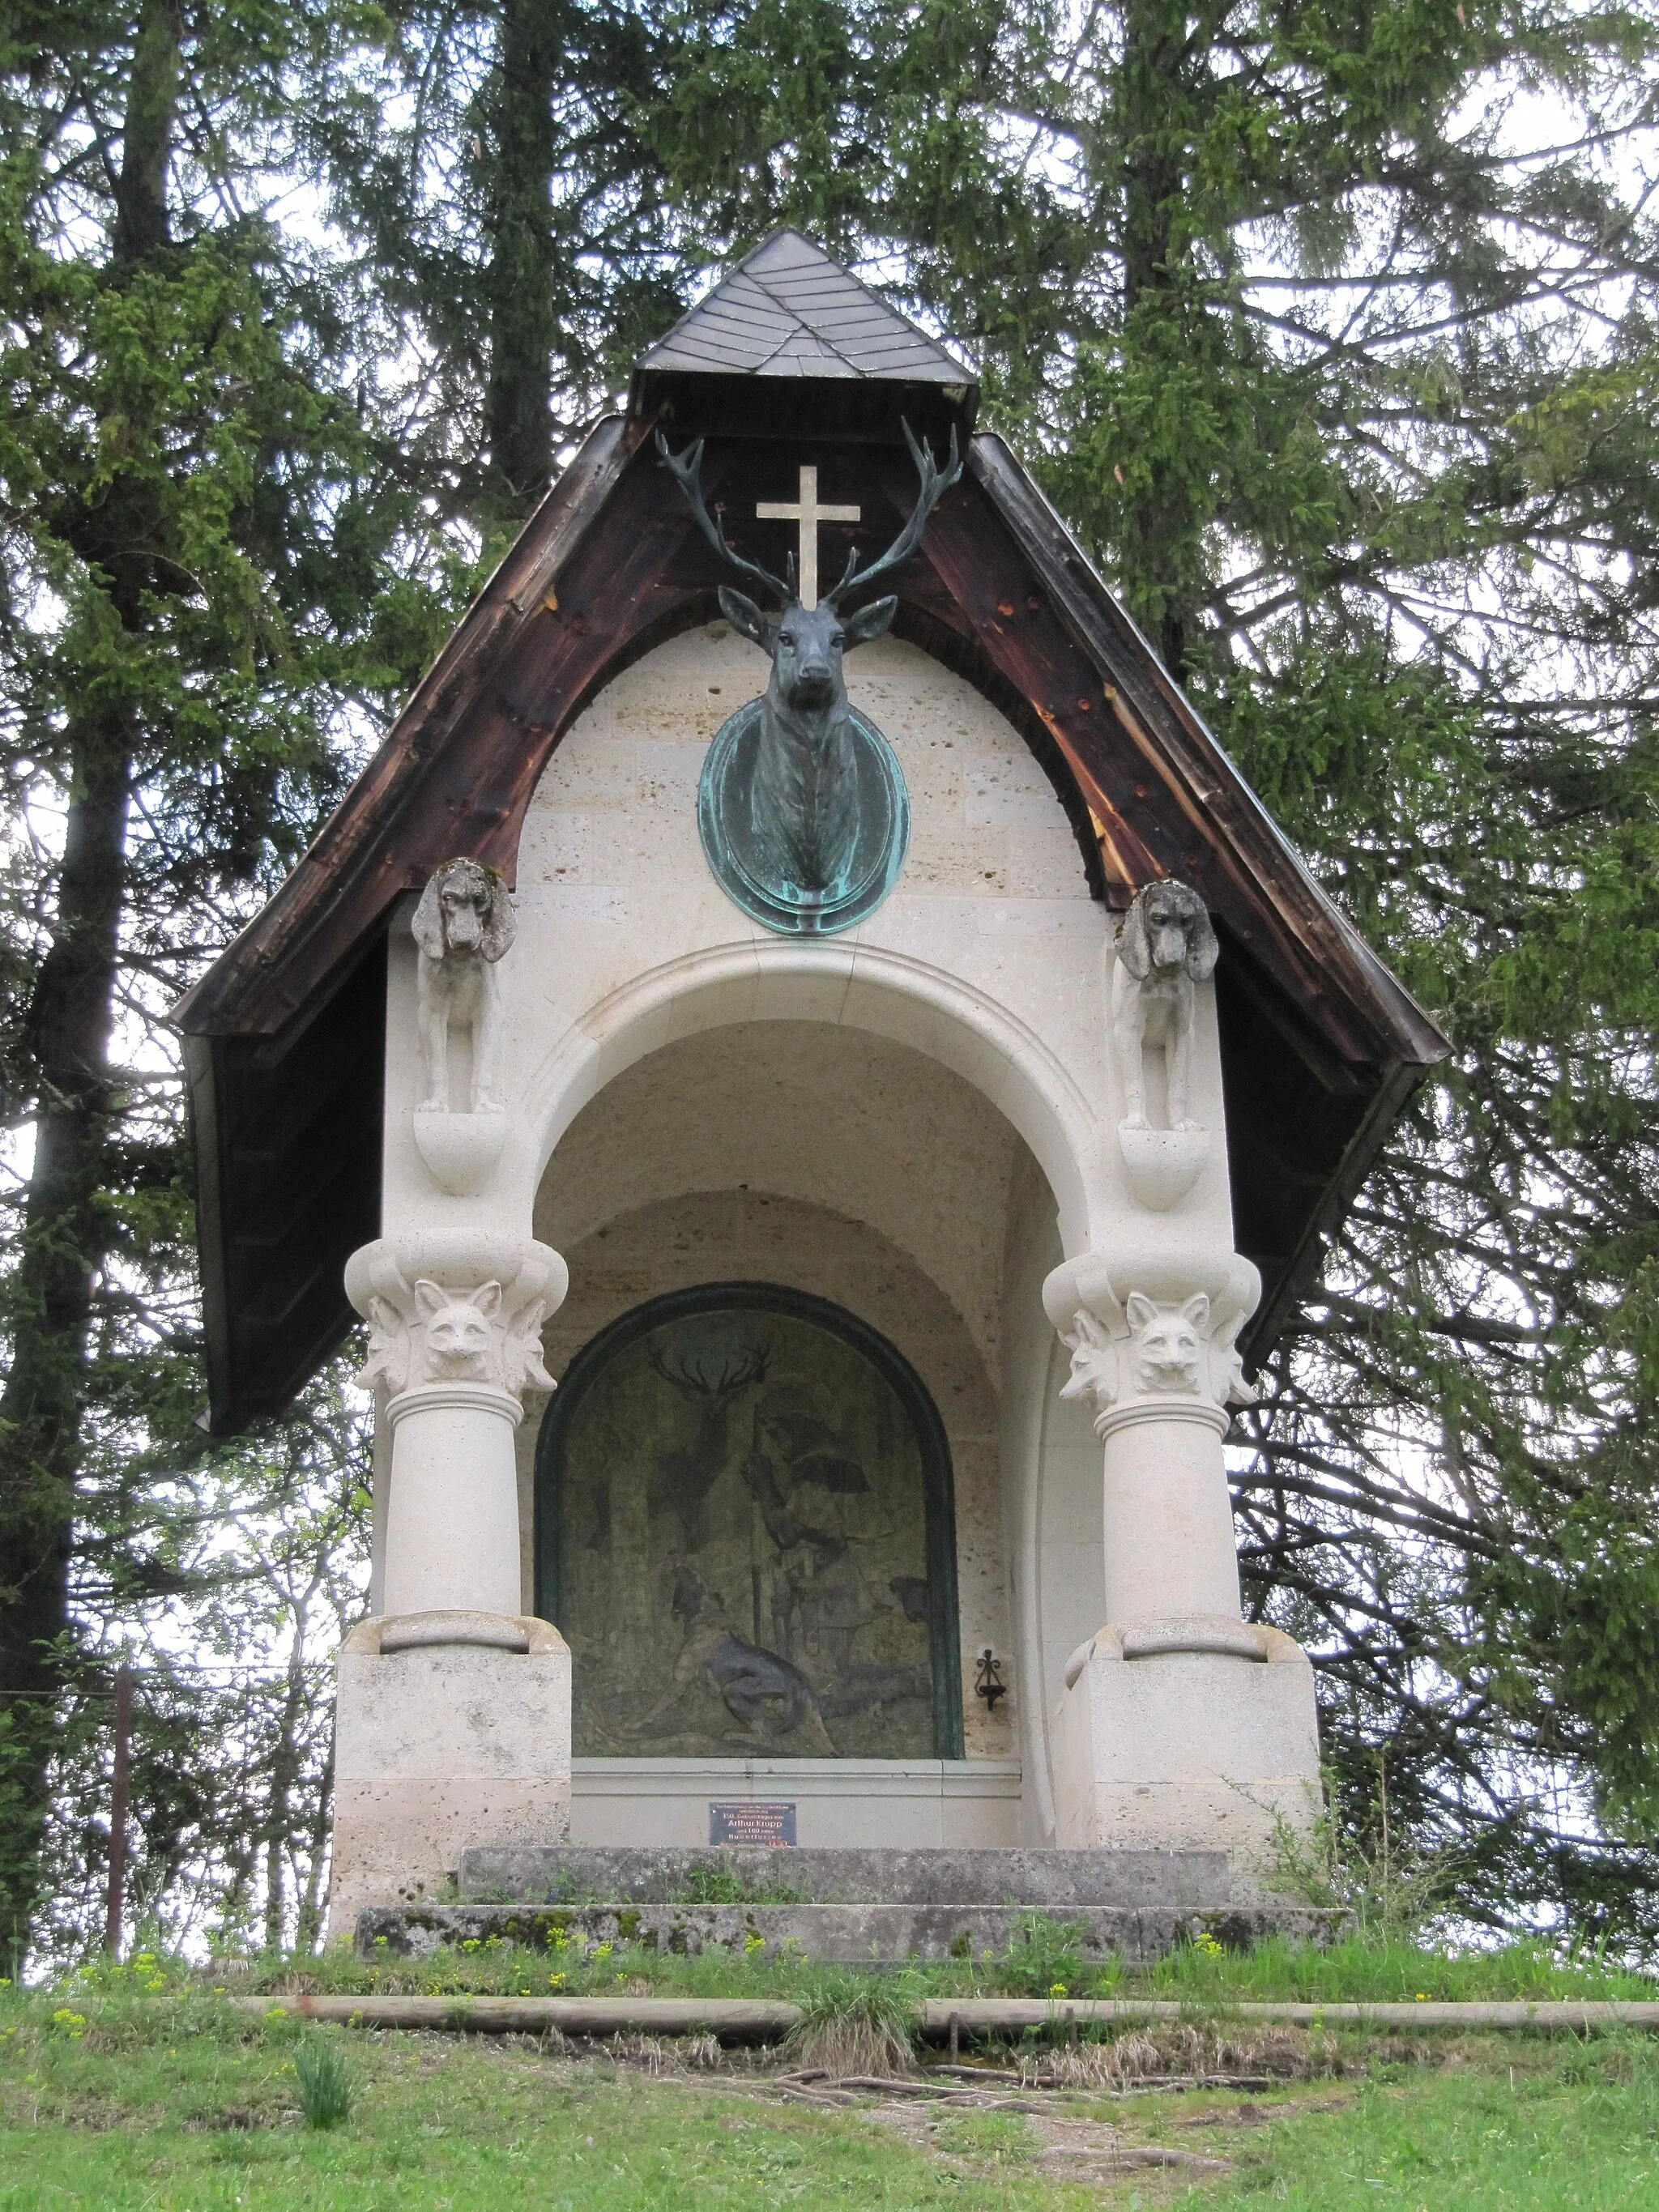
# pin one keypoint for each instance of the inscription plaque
(770, 1826)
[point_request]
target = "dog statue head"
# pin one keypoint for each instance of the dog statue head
(1168, 1351)
(1168, 928)
(464, 910)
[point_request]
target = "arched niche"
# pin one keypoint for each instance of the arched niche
(744, 1527)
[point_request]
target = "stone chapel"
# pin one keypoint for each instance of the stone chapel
(822, 1084)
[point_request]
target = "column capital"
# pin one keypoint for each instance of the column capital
(1156, 1340)
(455, 1309)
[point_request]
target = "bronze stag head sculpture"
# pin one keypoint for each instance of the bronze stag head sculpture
(804, 799)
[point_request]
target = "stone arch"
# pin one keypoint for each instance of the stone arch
(722, 1217)
(884, 993)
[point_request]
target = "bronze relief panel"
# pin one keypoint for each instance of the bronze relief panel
(745, 1532)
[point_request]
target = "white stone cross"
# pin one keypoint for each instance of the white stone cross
(809, 514)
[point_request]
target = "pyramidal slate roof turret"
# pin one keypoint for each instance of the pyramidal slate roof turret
(789, 310)
(788, 314)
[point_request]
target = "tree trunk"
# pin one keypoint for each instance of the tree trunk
(308, 1932)
(1150, 108)
(65, 1218)
(518, 408)
(284, 1775)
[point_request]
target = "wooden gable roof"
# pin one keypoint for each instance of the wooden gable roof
(283, 1034)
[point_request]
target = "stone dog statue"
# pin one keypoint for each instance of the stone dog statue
(462, 926)
(1167, 944)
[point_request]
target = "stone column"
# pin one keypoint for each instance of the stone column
(454, 1706)
(455, 1320)
(452, 1536)
(1181, 1725)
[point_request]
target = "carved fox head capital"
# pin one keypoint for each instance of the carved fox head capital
(459, 1339)
(1167, 1350)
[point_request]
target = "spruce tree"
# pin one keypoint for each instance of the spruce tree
(1364, 440)
(492, 165)
(198, 540)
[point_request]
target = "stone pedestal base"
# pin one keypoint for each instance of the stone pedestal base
(459, 1735)
(1187, 1750)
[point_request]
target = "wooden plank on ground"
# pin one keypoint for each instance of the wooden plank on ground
(763, 2019)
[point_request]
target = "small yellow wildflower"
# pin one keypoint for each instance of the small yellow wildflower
(556, 1981)
(1057, 1989)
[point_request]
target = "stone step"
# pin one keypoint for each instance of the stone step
(848, 1935)
(1123, 1881)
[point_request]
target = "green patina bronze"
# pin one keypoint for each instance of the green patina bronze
(744, 1529)
(759, 867)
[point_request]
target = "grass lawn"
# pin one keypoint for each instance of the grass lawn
(153, 2102)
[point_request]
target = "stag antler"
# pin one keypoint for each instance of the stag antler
(687, 471)
(733, 1374)
(933, 489)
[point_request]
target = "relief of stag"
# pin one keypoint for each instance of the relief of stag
(682, 1477)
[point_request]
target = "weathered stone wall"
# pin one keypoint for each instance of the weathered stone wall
(872, 1131)
(1051, 1492)
(616, 814)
